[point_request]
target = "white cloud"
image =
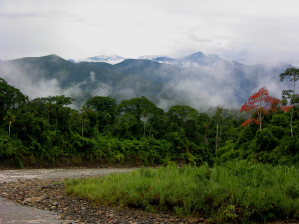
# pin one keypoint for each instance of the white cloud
(32, 84)
(250, 31)
(92, 76)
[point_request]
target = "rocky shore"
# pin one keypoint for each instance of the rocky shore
(50, 195)
(39, 195)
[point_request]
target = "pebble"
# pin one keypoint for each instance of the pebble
(4, 194)
(44, 194)
(32, 200)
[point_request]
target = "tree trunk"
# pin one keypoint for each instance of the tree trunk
(260, 125)
(292, 113)
(217, 130)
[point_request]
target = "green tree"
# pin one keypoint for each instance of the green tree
(105, 108)
(293, 75)
(204, 128)
(186, 117)
(10, 118)
(218, 119)
(142, 109)
(10, 98)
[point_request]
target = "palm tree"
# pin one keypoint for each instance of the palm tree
(11, 118)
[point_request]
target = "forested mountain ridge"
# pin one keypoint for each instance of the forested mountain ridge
(198, 80)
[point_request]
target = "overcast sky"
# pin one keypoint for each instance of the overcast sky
(250, 31)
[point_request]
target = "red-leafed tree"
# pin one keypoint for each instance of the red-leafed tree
(260, 104)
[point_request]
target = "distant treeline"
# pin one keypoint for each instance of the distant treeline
(48, 132)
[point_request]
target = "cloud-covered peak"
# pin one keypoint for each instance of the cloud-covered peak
(200, 82)
(196, 59)
(150, 57)
(111, 59)
(197, 55)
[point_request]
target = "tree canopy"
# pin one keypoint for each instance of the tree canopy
(48, 131)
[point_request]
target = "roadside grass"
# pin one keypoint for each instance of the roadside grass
(238, 192)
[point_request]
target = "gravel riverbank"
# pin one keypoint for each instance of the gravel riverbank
(38, 196)
(50, 195)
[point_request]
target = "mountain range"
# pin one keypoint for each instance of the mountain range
(198, 80)
(196, 58)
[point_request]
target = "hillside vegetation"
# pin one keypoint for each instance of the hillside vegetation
(197, 80)
(239, 170)
(48, 132)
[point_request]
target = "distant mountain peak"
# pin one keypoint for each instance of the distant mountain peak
(150, 57)
(111, 59)
(52, 56)
(167, 81)
(138, 62)
(201, 59)
(197, 54)
(106, 57)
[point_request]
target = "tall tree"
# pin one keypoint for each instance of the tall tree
(141, 108)
(293, 75)
(218, 118)
(10, 98)
(105, 109)
(204, 127)
(259, 104)
(10, 118)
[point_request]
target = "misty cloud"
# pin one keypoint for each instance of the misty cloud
(92, 76)
(102, 89)
(32, 83)
(223, 83)
(247, 31)
(202, 84)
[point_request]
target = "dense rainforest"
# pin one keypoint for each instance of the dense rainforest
(48, 131)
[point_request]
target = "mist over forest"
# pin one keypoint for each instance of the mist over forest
(198, 80)
(200, 98)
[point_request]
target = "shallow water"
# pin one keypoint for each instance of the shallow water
(11, 212)
(25, 174)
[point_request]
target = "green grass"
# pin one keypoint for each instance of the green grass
(236, 192)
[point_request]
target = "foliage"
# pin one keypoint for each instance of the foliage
(235, 193)
(259, 104)
(47, 131)
(290, 95)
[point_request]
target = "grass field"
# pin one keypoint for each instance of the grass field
(236, 193)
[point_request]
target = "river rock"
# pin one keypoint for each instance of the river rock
(4, 194)
(32, 200)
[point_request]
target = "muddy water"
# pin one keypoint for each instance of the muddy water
(11, 212)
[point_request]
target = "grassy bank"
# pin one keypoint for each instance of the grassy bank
(237, 192)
